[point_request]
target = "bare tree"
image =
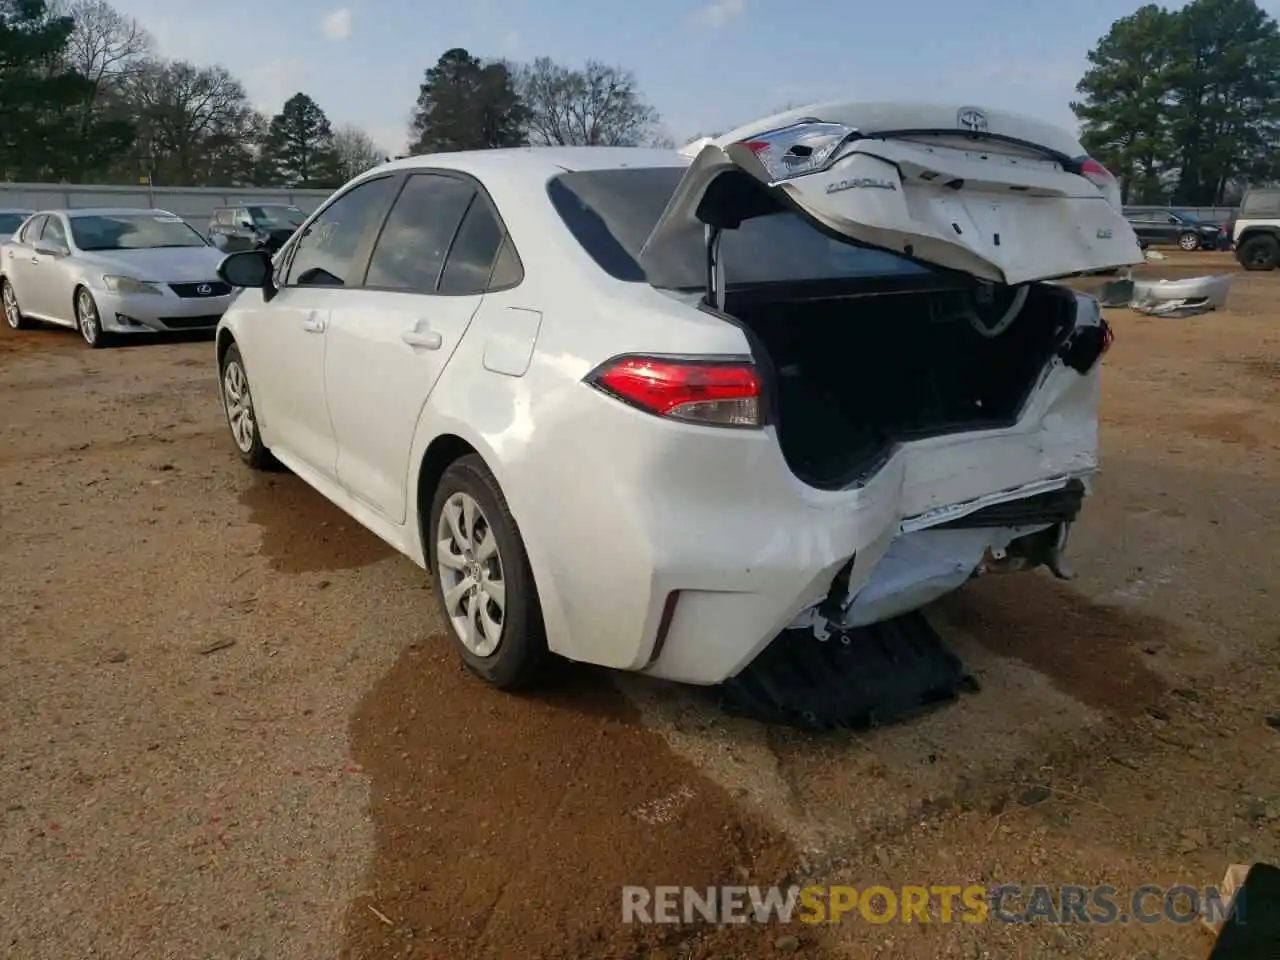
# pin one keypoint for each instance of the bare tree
(355, 152)
(105, 45)
(193, 122)
(599, 105)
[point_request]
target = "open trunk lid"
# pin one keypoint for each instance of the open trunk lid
(996, 195)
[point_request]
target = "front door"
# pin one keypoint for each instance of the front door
(290, 333)
(389, 342)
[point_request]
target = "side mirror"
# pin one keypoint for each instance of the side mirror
(47, 249)
(247, 268)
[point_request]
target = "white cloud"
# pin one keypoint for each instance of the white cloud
(270, 84)
(721, 12)
(336, 25)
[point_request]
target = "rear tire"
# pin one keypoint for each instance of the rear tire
(483, 581)
(242, 415)
(13, 312)
(1259, 253)
(1189, 242)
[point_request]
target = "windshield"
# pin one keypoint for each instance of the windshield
(611, 213)
(9, 222)
(277, 216)
(133, 231)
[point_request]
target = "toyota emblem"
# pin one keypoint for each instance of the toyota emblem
(971, 119)
(204, 289)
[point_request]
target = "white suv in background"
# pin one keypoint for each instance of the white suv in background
(1256, 232)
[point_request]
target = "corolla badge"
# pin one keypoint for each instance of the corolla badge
(971, 119)
(855, 183)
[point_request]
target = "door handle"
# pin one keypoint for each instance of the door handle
(422, 336)
(313, 324)
(35, 259)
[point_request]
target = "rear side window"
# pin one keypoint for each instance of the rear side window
(471, 257)
(612, 212)
(1261, 203)
(418, 233)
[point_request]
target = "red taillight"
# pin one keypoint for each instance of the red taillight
(1092, 169)
(714, 392)
(1108, 337)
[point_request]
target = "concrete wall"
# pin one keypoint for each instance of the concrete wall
(193, 204)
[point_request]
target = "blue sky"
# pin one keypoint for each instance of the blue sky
(705, 64)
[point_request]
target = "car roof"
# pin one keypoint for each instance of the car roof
(110, 212)
(545, 161)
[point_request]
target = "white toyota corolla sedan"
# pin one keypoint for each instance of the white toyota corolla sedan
(649, 411)
(111, 272)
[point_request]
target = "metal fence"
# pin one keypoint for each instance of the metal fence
(194, 204)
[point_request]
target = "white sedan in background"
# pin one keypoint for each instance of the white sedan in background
(650, 412)
(111, 272)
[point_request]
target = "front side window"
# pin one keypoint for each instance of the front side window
(419, 230)
(54, 232)
(133, 231)
(612, 212)
(328, 254)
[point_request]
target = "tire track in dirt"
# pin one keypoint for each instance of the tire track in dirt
(506, 826)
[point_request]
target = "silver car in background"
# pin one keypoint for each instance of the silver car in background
(111, 272)
(11, 219)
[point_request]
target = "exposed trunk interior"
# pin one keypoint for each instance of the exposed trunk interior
(853, 375)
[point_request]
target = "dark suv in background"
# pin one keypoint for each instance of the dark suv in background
(253, 225)
(1176, 228)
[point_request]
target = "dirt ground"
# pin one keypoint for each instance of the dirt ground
(230, 725)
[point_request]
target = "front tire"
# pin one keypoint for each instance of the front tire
(242, 416)
(1189, 242)
(89, 322)
(1259, 253)
(484, 584)
(12, 311)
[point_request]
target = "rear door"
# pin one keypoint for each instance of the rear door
(993, 194)
(389, 341)
(20, 261)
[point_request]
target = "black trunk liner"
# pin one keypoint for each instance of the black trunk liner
(865, 677)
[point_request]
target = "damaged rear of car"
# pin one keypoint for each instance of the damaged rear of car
(931, 398)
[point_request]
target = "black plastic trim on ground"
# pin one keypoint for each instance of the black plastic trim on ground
(1056, 506)
(865, 677)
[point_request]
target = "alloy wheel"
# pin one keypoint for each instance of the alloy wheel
(239, 404)
(12, 312)
(469, 571)
(90, 325)
(1189, 242)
